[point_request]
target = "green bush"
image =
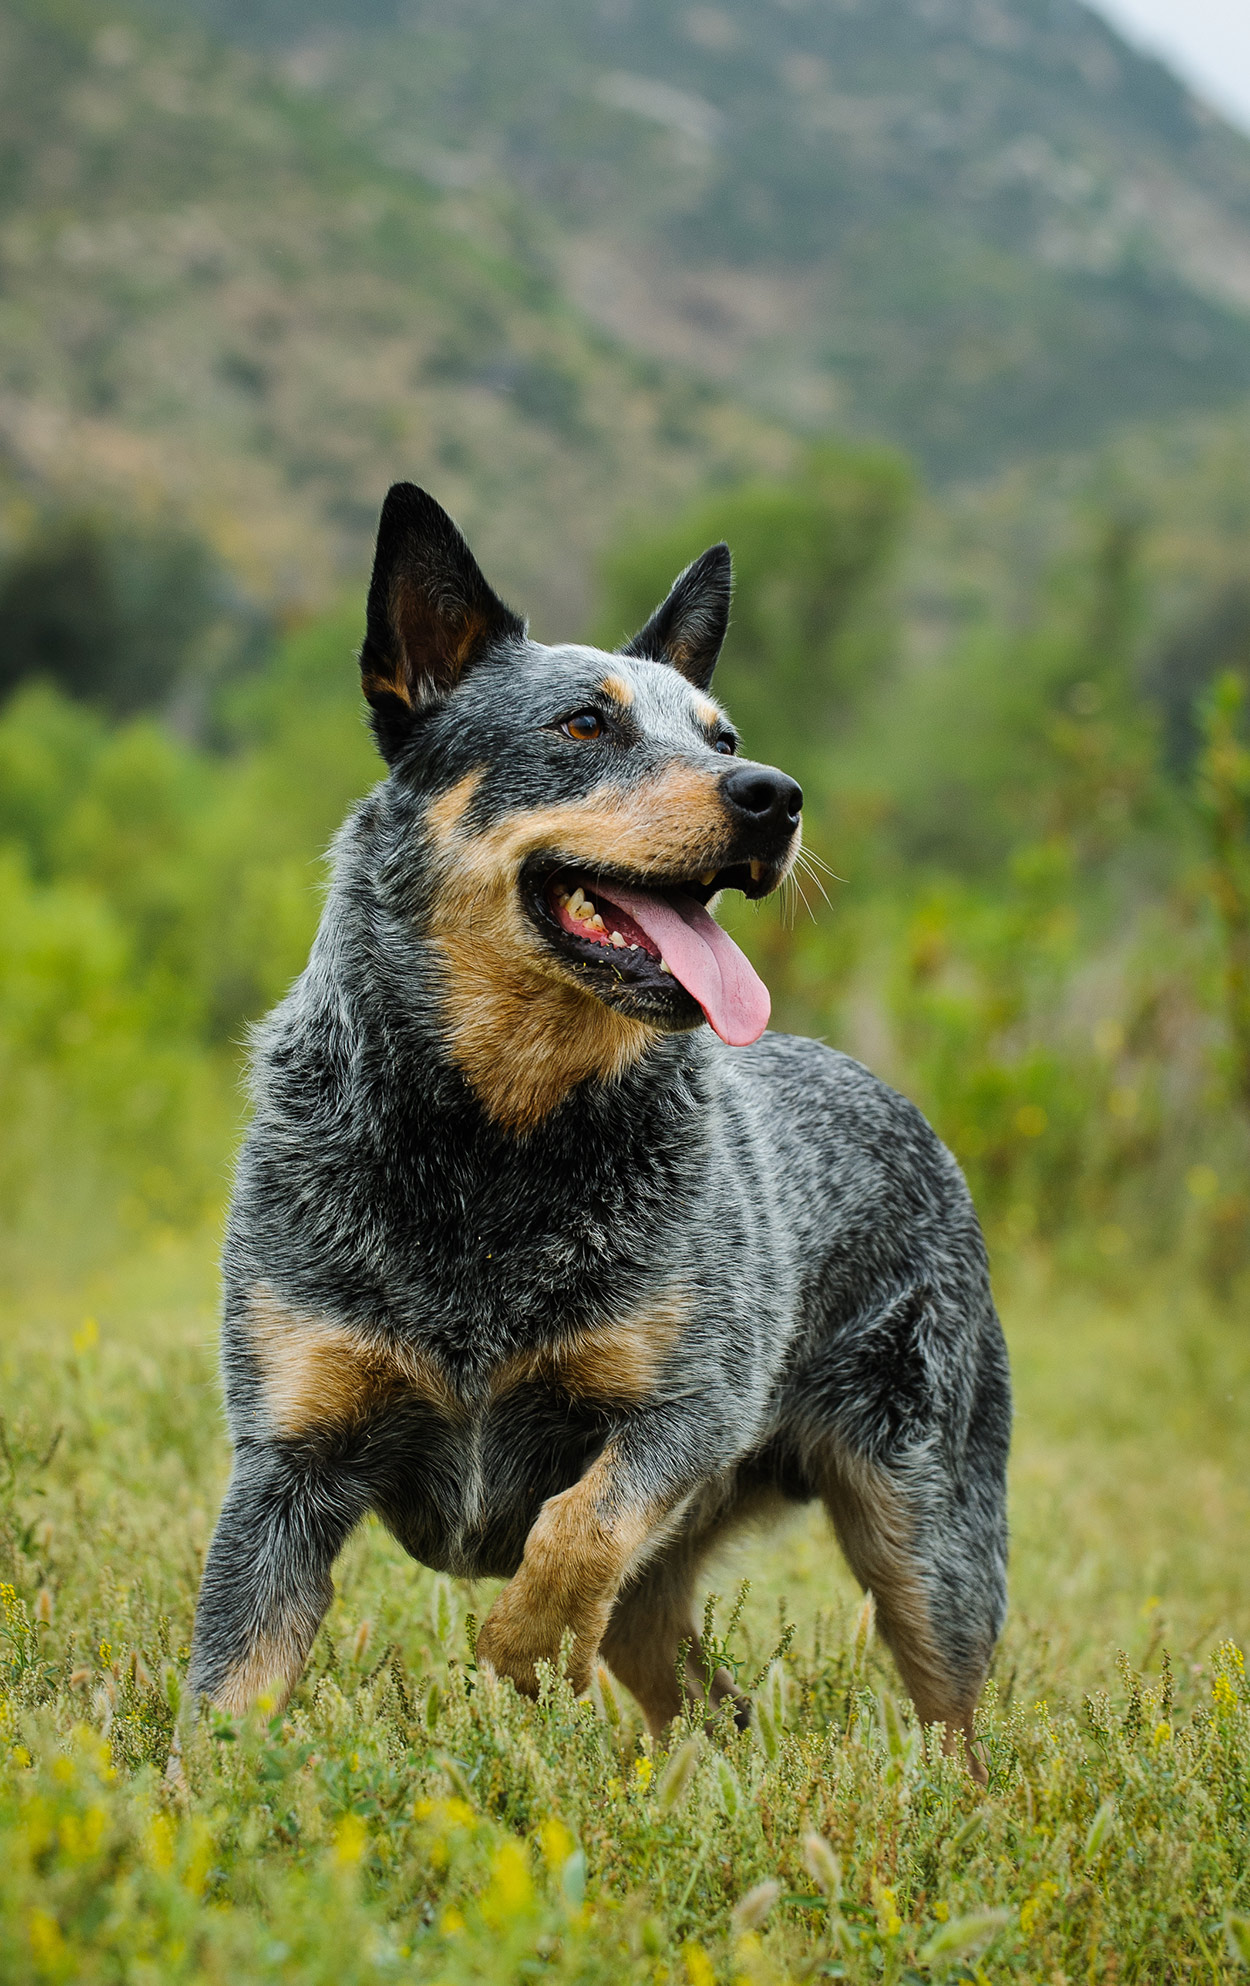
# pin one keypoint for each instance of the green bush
(122, 614)
(156, 897)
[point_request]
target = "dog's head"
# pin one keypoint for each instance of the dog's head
(581, 809)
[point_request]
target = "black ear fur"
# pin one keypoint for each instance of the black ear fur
(430, 614)
(689, 629)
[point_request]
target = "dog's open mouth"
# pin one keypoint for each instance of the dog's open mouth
(655, 939)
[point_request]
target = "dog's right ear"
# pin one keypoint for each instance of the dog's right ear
(430, 615)
(688, 629)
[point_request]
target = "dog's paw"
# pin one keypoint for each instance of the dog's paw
(522, 1630)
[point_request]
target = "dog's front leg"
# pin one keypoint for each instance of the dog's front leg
(266, 1581)
(583, 1544)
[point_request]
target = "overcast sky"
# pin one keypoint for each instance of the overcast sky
(1205, 41)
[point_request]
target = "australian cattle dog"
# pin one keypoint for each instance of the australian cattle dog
(540, 1247)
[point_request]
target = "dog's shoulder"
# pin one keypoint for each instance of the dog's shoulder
(851, 1153)
(820, 1092)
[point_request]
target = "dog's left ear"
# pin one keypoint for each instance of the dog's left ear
(688, 631)
(430, 614)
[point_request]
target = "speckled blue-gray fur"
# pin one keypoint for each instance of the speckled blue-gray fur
(525, 1259)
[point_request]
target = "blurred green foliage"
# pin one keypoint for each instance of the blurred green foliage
(127, 615)
(1225, 773)
(156, 895)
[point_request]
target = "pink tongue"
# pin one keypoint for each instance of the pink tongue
(704, 958)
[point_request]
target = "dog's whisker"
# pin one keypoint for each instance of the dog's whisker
(818, 862)
(814, 878)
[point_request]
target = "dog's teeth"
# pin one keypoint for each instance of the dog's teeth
(618, 940)
(597, 923)
(708, 877)
(757, 870)
(634, 945)
(666, 967)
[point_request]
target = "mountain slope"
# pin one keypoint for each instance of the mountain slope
(215, 302)
(980, 227)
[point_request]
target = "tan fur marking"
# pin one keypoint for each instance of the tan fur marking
(445, 814)
(393, 685)
(475, 626)
(617, 688)
(619, 1362)
(576, 1555)
(709, 712)
(322, 1375)
(271, 1667)
(520, 1028)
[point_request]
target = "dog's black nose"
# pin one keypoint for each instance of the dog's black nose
(764, 796)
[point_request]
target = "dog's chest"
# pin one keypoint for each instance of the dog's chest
(461, 1489)
(457, 1455)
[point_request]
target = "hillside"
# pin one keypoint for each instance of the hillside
(216, 305)
(981, 228)
(572, 263)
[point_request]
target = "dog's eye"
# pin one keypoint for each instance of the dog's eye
(585, 726)
(727, 744)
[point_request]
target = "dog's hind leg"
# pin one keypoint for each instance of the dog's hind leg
(917, 1601)
(910, 1460)
(266, 1582)
(654, 1616)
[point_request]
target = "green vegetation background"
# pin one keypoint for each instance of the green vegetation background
(1038, 831)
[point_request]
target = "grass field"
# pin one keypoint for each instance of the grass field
(407, 1819)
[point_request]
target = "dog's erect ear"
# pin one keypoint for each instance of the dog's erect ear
(430, 614)
(689, 629)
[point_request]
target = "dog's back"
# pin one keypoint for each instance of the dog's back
(521, 1256)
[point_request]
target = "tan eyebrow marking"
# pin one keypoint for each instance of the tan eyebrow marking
(709, 712)
(618, 688)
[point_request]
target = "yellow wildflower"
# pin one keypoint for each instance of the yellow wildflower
(351, 1838)
(699, 1968)
(556, 1842)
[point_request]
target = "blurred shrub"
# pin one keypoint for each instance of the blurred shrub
(1017, 735)
(804, 639)
(1225, 789)
(122, 615)
(153, 898)
(1213, 643)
